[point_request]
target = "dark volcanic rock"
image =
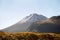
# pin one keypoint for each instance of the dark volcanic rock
(52, 25)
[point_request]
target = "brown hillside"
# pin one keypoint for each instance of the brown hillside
(51, 25)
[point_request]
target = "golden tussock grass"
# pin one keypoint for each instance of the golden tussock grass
(29, 36)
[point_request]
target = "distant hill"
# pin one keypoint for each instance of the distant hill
(51, 25)
(24, 23)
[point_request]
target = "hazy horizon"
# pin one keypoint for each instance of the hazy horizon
(12, 11)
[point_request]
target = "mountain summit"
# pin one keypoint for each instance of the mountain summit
(24, 23)
(33, 18)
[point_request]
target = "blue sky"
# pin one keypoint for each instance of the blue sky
(12, 11)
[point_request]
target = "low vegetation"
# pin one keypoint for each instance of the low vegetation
(29, 36)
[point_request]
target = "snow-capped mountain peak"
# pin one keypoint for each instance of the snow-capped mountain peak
(24, 23)
(33, 18)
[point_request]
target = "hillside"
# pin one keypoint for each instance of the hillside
(29, 36)
(51, 25)
(23, 24)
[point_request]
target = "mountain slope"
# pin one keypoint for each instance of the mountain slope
(52, 25)
(24, 23)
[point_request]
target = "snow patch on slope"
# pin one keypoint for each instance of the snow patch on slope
(33, 18)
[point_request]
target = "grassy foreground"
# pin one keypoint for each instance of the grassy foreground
(29, 36)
